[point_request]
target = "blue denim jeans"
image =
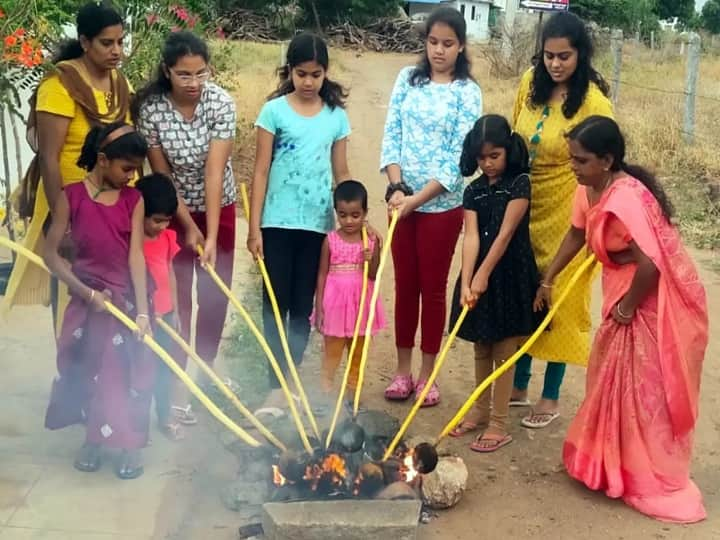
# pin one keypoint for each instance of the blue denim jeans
(554, 374)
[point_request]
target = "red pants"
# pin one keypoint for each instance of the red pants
(212, 303)
(422, 250)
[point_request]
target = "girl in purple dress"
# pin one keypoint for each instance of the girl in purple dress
(104, 376)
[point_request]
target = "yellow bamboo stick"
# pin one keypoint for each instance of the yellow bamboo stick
(152, 344)
(353, 344)
(431, 379)
(268, 352)
(372, 309)
(227, 392)
(281, 327)
(514, 358)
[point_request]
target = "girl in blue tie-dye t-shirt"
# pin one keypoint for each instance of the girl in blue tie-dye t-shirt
(301, 154)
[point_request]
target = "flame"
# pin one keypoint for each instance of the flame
(409, 467)
(278, 479)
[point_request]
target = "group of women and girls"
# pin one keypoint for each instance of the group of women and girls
(548, 186)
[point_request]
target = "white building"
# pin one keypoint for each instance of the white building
(479, 14)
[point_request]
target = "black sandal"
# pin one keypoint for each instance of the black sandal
(129, 465)
(89, 458)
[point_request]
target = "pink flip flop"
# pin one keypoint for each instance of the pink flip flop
(433, 396)
(400, 388)
(496, 443)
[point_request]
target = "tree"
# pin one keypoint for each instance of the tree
(629, 15)
(711, 16)
(682, 9)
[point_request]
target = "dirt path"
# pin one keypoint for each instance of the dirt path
(523, 491)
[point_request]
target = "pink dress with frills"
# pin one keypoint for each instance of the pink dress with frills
(343, 288)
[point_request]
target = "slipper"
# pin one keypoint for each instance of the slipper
(520, 402)
(499, 443)
(269, 411)
(129, 465)
(400, 388)
(433, 396)
(547, 420)
(89, 458)
(463, 428)
(172, 431)
(184, 415)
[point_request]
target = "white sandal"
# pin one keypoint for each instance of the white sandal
(548, 419)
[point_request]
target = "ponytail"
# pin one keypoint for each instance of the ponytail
(495, 130)
(127, 146)
(468, 158)
(518, 157)
(650, 181)
(69, 49)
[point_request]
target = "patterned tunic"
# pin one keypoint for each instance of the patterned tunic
(424, 133)
(186, 143)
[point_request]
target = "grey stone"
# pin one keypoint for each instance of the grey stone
(444, 487)
(378, 424)
(341, 520)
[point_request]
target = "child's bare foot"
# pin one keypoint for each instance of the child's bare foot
(490, 440)
(471, 423)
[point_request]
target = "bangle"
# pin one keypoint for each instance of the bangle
(620, 312)
(142, 316)
(398, 186)
(545, 285)
(92, 295)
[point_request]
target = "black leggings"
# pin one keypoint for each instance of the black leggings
(292, 258)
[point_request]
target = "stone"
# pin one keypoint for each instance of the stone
(378, 424)
(341, 520)
(444, 487)
(397, 491)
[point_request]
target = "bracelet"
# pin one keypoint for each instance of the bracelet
(545, 285)
(399, 186)
(92, 295)
(142, 316)
(620, 312)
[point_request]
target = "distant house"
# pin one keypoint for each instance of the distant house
(478, 13)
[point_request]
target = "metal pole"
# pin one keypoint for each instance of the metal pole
(693, 68)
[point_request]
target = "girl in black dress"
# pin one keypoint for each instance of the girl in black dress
(499, 276)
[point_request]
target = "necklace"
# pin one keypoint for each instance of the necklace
(100, 189)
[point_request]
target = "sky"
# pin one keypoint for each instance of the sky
(699, 4)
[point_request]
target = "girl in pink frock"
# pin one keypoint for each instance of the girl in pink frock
(632, 436)
(105, 376)
(339, 285)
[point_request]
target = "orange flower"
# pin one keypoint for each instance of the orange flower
(38, 57)
(20, 32)
(2, 13)
(26, 48)
(10, 41)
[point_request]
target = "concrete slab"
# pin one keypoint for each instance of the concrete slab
(341, 520)
(15, 533)
(15, 484)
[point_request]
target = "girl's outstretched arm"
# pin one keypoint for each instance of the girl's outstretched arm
(138, 275)
(470, 251)
(320, 288)
(263, 159)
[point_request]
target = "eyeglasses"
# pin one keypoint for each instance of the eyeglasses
(187, 80)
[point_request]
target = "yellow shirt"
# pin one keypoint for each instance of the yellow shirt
(53, 97)
(553, 191)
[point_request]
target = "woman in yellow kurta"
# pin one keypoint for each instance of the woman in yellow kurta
(84, 89)
(557, 94)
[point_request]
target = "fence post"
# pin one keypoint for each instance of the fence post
(616, 44)
(693, 67)
(652, 40)
(283, 52)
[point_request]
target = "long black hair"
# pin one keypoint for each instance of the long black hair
(455, 20)
(128, 146)
(601, 136)
(495, 130)
(307, 47)
(177, 45)
(571, 27)
(91, 20)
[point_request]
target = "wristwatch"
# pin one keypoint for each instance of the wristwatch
(399, 186)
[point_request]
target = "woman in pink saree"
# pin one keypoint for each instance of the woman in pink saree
(633, 434)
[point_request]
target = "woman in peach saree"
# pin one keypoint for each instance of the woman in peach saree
(633, 434)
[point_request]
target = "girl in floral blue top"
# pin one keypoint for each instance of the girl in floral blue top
(433, 106)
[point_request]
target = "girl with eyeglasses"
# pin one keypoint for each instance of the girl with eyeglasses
(189, 123)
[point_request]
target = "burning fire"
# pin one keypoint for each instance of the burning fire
(409, 467)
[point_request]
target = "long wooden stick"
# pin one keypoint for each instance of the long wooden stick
(153, 345)
(281, 327)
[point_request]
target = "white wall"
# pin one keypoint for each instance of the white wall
(477, 15)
